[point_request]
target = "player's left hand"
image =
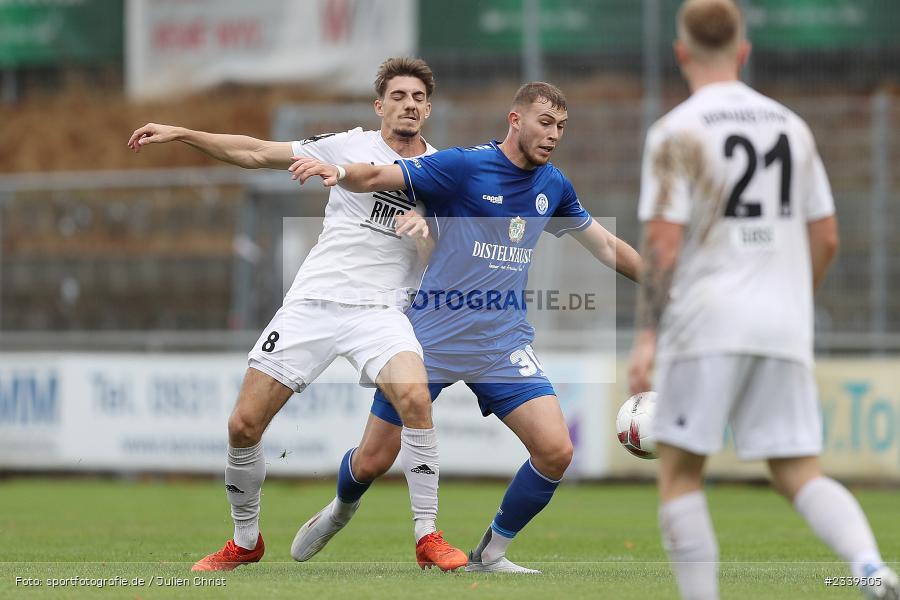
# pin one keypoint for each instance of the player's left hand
(305, 167)
(152, 133)
(640, 365)
(411, 224)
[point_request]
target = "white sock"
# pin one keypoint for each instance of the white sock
(495, 549)
(690, 542)
(245, 472)
(342, 512)
(419, 461)
(837, 518)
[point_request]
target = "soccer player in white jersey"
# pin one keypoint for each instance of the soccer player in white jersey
(739, 228)
(347, 300)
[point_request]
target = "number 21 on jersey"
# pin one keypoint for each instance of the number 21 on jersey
(739, 207)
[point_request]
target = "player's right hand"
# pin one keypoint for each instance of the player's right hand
(305, 167)
(640, 364)
(411, 224)
(151, 133)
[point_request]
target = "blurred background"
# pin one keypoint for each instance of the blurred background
(113, 266)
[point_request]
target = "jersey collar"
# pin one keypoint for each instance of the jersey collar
(505, 158)
(384, 145)
(722, 86)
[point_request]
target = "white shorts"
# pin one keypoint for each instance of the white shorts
(771, 405)
(305, 336)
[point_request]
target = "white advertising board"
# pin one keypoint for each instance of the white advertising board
(174, 47)
(169, 413)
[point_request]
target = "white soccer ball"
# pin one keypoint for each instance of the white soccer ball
(634, 425)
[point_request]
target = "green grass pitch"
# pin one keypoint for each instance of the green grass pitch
(593, 541)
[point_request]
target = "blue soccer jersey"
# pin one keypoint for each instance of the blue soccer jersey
(469, 315)
(487, 215)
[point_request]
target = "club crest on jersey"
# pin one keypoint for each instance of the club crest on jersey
(516, 229)
(541, 203)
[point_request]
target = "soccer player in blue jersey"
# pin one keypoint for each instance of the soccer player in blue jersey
(489, 205)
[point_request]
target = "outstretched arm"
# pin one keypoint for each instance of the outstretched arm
(611, 251)
(356, 177)
(240, 150)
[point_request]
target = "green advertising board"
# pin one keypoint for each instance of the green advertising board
(495, 26)
(53, 32)
(824, 24)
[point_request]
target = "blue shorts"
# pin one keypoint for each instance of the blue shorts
(504, 381)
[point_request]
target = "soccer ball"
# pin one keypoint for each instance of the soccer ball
(634, 425)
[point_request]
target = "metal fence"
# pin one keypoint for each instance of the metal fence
(192, 258)
(841, 44)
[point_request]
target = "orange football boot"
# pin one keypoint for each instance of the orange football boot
(433, 550)
(230, 557)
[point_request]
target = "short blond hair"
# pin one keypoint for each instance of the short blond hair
(536, 91)
(711, 28)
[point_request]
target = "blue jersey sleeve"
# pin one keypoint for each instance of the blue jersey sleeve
(435, 179)
(569, 215)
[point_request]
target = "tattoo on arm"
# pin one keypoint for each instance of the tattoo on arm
(653, 296)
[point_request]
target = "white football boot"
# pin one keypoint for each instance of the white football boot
(888, 587)
(317, 532)
(501, 565)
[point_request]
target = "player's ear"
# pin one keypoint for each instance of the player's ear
(427, 109)
(379, 107)
(514, 119)
(681, 52)
(743, 54)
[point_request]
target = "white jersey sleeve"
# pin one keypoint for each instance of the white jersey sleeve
(327, 147)
(665, 192)
(819, 201)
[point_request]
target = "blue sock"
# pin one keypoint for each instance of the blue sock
(525, 497)
(349, 490)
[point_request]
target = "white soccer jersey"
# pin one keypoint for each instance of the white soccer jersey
(358, 258)
(742, 173)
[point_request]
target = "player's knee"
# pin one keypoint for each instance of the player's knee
(782, 488)
(413, 404)
(555, 459)
(787, 485)
(564, 455)
(790, 475)
(676, 482)
(371, 466)
(243, 431)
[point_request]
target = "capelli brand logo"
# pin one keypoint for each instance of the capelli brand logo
(493, 199)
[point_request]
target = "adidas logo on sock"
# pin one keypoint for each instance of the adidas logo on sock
(423, 469)
(233, 489)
